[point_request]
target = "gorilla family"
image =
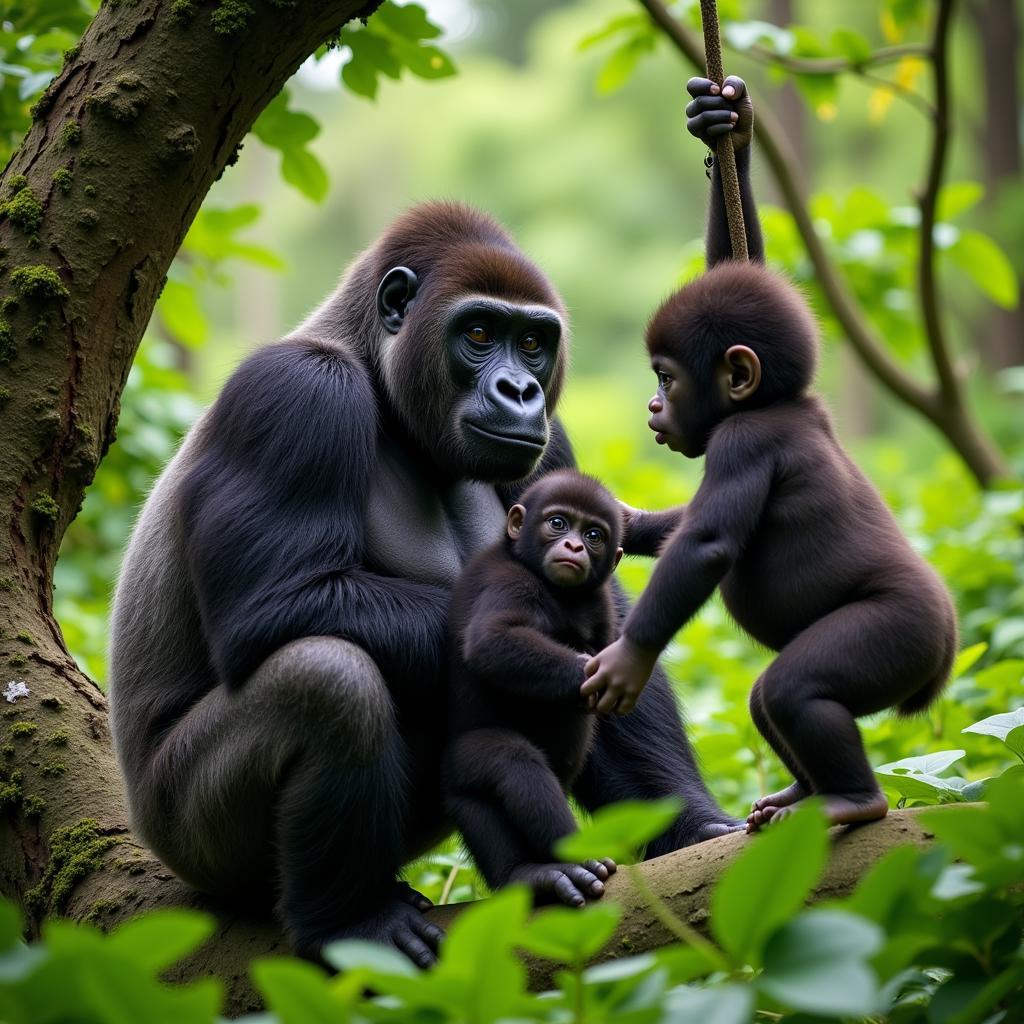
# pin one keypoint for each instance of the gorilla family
(278, 644)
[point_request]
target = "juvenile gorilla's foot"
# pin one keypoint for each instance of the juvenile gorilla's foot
(571, 884)
(767, 807)
(840, 808)
(714, 829)
(400, 924)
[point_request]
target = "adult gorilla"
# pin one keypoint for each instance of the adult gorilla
(278, 638)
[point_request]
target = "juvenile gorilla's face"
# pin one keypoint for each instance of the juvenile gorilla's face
(568, 546)
(680, 417)
(501, 357)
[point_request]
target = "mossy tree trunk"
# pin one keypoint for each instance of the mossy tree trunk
(146, 114)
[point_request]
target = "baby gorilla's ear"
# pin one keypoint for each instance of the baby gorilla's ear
(616, 559)
(742, 369)
(516, 518)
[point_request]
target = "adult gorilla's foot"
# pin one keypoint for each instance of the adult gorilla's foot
(571, 884)
(399, 925)
(407, 894)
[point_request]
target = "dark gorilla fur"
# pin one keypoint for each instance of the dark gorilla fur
(810, 561)
(519, 730)
(278, 638)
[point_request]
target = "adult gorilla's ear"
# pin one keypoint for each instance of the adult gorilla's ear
(394, 295)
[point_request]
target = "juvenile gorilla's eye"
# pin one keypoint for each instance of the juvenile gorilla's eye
(531, 343)
(594, 536)
(558, 523)
(477, 335)
(663, 378)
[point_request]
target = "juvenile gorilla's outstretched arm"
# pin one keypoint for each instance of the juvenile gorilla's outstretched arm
(273, 521)
(645, 532)
(709, 116)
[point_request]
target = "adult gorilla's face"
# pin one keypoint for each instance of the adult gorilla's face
(472, 374)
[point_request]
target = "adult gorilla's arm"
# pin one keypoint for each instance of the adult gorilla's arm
(273, 515)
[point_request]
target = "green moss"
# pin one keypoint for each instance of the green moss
(10, 789)
(183, 11)
(88, 218)
(70, 133)
(6, 582)
(18, 661)
(38, 283)
(46, 508)
(120, 100)
(53, 703)
(42, 106)
(62, 178)
(41, 329)
(7, 750)
(90, 191)
(8, 348)
(24, 211)
(12, 713)
(230, 17)
(25, 637)
(99, 908)
(5, 394)
(54, 768)
(59, 738)
(76, 851)
(33, 806)
(9, 304)
(16, 184)
(22, 730)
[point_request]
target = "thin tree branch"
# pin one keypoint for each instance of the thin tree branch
(836, 65)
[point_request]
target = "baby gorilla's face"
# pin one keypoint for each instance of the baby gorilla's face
(575, 546)
(677, 412)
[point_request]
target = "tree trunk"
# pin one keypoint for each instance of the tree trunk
(149, 109)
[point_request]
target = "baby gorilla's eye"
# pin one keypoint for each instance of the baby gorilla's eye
(594, 536)
(531, 343)
(663, 378)
(477, 335)
(558, 523)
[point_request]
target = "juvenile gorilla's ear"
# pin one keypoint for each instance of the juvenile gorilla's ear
(616, 559)
(516, 518)
(743, 372)
(394, 294)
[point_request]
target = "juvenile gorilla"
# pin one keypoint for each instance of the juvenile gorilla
(526, 616)
(808, 557)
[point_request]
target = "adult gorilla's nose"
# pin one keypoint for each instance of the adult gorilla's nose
(517, 394)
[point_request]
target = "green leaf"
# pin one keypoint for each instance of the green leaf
(924, 764)
(160, 938)
(373, 50)
(622, 62)
(281, 128)
(720, 1004)
(967, 659)
(10, 924)
(768, 883)
(852, 45)
(1002, 677)
(352, 954)
(955, 197)
(299, 167)
(298, 992)
(621, 23)
(571, 936)
(742, 35)
(360, 78)
(620, 830)
(182, 315)
(986, 264)
(1008, 727)
(916, 786)
(409, 20)
(817, 963)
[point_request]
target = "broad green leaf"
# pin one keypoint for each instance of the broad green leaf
(409, 20)
(917, 786)
(768, 883)
(1002, 677)
(352, 954)
(299, 167)
(281, 128)
(373, 50)
(956, 197)
(622, 62)
(360, 78)
(160, 938)
(967, 659)
(10, 924)
(1008, 727)
(422, 60)
(630, 23)
(182, 315)
(621, 969)
(852, 45)
(571, 936)
(986, 264)
(883, 885)
(956, 881)
(817, 963)
(298, 992)
(720, 1004)
(620, 830)
(925, 764)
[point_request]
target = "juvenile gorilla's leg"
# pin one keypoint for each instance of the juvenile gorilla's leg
(645, 755)
(862, 658)
(765, 806)
(297, 782)
(511, 811)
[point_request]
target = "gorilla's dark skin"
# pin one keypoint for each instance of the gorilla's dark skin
(525, 615)
(809, 559)
(278, 640)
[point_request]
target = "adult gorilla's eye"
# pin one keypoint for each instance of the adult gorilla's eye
(558, 523)
(594, 536)
(478, 335)
(531, 343)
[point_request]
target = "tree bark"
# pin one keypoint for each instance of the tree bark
(147, 112)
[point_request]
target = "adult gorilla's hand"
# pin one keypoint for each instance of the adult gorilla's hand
(713, 112)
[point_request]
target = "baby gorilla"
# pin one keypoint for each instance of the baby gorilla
(809, 559)
(526, 616)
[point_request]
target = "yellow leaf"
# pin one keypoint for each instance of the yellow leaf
(907, 71)
(827, 111)
(879, 104)
(892, 32)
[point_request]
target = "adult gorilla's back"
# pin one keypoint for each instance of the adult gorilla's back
(279, 626)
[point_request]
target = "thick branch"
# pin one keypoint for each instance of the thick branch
(684, 881)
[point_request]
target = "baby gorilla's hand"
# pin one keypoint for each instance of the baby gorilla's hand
(616, 677)
(716, 111)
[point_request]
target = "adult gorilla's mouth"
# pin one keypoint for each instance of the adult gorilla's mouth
(534, 442)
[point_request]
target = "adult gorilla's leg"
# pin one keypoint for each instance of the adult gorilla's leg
(297, 782)
(645, 755)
